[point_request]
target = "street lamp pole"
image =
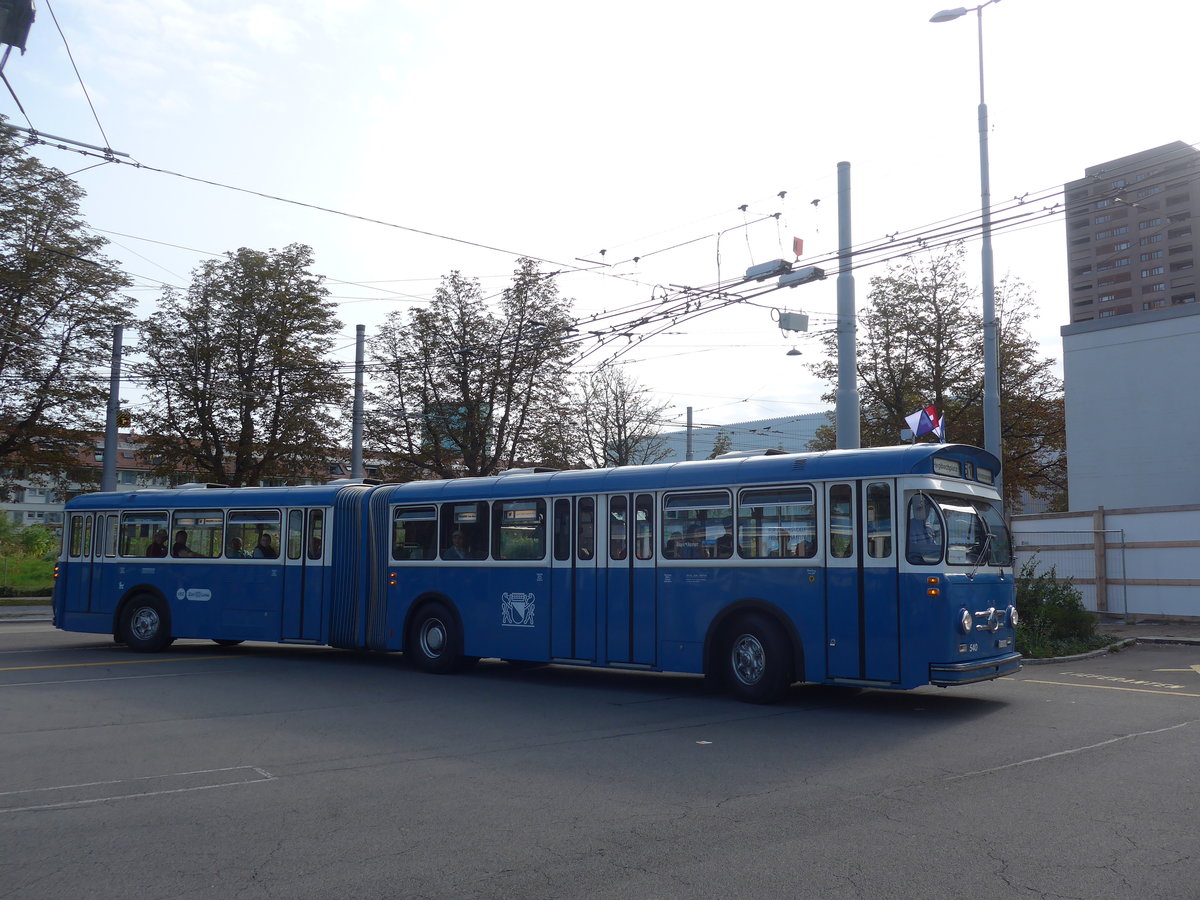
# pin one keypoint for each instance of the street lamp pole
(991, 343)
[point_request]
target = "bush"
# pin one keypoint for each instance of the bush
(1054, 621)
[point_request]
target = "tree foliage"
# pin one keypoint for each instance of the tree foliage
(464, 389)
(240, 386)
(59, 301)
(722, 443)
(920, 342)
(619, 420)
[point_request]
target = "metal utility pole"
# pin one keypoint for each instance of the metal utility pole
(689, 456)
(108, 474)
(356, 450)
(847, 419)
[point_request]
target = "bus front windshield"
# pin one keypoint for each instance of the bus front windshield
(959, 531)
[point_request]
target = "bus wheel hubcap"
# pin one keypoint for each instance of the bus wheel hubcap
(433, 638)
(749, 659)
(145, 623)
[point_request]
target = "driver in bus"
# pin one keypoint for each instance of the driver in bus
(924, 535)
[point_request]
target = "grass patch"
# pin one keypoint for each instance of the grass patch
(25, 576)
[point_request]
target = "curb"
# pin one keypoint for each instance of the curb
(1111, 648)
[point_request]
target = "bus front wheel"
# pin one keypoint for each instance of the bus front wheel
(145, 627)
(757, 660)
(434, 641)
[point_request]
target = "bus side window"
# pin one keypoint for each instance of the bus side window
(841, 521)
(777, 523)
(111, 535)
(414, 532)
(520, 529)
(562, 529)
(144, 534)
(618, 519)
(295, 533)
(76, 544)
(879, 520)
(316, 533)
(585, 545)
(464, 530)
(253, 534)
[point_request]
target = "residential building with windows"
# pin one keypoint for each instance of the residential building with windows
(1130, 242)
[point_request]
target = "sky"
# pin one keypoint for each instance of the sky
(408, 138)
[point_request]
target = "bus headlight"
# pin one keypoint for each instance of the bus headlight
(965, 621)
(1013, 618)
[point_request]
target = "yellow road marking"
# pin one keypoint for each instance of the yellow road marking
(1195, 669)
(1108, 687)
(119, 662)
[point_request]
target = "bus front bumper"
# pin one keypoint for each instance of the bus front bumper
(950, 674)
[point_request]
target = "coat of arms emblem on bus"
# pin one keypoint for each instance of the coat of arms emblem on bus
(516, 609)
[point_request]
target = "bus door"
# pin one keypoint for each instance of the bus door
(631, 614)
(81, 559)
(305, 576)
(862, 611)
(573, 576)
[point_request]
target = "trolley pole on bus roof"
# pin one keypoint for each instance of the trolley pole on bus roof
(847, 424)
(356, 449)
(689, 455)
(108, 476)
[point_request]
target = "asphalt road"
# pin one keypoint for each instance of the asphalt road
(267, 771)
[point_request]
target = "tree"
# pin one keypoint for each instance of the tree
(722, 443)
(59, 301)
(237, 371)
(919, 344)
(619, 420)
(465, 390)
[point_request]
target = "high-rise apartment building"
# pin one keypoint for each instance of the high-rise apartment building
(1130, 247)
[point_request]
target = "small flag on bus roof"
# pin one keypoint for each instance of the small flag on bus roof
(927, 421)
(798, 246)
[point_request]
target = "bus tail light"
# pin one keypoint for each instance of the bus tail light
(933, 590)
(965, 621)
(392, 579)
(56, 571)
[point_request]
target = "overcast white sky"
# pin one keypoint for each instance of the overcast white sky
(558, 129)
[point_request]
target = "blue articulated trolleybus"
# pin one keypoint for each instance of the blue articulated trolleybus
(887, 568)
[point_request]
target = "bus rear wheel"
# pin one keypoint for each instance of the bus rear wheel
(145, 627)
(434, 640)
(758, 661)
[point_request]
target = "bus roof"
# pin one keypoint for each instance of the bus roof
(743, 470)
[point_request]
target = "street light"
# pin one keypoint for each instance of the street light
(991, 369)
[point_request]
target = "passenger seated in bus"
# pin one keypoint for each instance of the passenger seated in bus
(158, 544)
(692, 546)
(180, 548)
(457, 548)
(236, 550)
(806, 547)
(725, 544)
(265, 549)
(671, 547)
